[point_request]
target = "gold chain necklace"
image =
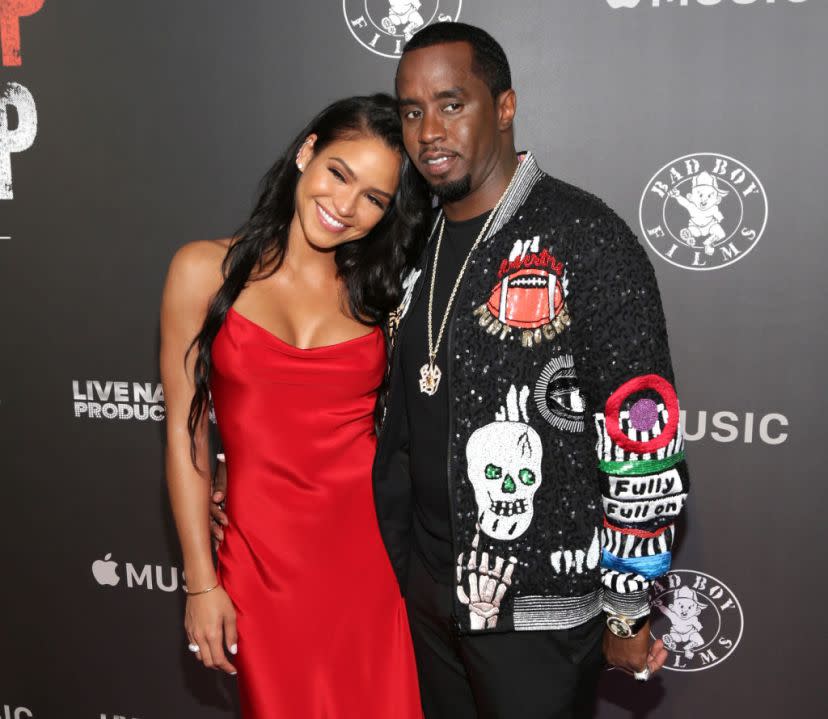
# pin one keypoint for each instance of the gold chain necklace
(430, 373)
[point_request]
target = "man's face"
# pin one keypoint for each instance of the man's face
(449, 119)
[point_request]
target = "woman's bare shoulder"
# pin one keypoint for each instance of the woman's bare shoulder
(200, 259)
(195, 270)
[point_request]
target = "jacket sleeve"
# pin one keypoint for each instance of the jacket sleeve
(622, 360)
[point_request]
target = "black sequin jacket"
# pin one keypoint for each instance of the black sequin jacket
(566, 458)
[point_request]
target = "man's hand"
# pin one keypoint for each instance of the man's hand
(635, 653)
(218, 518)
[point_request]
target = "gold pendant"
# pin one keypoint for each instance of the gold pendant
(430, 379)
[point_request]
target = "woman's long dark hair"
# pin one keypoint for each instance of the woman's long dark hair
(371, 267)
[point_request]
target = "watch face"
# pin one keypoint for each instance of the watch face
(619, 627)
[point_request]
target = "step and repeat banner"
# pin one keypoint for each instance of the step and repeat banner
(130, 128)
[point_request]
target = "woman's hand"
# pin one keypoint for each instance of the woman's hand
(210, 622)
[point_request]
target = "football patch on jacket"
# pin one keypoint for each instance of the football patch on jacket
(529, 297)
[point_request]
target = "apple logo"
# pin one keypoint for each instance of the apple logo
(615, 4)
(104, 571)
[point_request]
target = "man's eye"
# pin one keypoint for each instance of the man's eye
(452, 107)
(412, 115)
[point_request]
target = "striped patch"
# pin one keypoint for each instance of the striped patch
(624, 545)
(623, 583)
(647, 567)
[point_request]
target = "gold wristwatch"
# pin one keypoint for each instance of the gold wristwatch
(624, 627)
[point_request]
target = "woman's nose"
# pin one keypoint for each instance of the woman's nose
(345, 202)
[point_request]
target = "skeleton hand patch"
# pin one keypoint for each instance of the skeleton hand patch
(487, 586)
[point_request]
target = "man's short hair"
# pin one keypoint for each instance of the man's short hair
(489, 61)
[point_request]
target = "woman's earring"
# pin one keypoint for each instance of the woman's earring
(299, 163)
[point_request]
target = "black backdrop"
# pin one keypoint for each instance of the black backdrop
(154, 121)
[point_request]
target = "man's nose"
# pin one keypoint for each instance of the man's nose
(431, 129)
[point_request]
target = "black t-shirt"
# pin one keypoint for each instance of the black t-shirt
(428, 415)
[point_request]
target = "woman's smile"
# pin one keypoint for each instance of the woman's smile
(328, 221)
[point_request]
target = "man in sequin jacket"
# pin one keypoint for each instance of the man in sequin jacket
(563, 468)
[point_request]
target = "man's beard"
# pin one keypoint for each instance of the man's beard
(452, 191)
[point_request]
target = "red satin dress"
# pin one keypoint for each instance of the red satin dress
(323, 630)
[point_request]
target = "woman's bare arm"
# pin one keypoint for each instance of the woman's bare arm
(193, 278)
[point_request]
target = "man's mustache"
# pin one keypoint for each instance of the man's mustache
(436, 152)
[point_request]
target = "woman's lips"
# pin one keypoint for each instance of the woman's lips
(328, 221)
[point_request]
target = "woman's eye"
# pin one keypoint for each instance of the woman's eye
(376, 202)
(337, 174)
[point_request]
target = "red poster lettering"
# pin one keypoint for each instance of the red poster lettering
(10, 13)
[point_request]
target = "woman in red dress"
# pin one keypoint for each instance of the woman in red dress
(280, 326)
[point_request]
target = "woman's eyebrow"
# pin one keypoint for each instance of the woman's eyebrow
(353, 176)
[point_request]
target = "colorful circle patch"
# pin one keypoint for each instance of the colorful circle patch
(643, 413)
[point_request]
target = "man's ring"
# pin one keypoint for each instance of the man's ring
(643, 675)
(193, 648)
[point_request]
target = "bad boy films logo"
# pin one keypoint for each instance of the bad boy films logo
(703, 211)
(697, 617)
(384, 26)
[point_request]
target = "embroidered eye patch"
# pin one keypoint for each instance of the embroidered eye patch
(558, 397)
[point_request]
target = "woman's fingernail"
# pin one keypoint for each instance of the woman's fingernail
(232, 674)
(234, 648)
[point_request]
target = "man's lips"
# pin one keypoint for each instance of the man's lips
(437, 163)
(328, 221)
